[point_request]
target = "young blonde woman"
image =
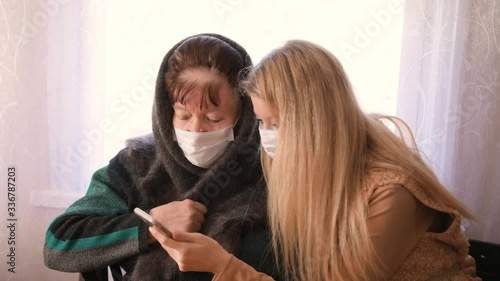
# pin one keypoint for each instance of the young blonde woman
(348, 198)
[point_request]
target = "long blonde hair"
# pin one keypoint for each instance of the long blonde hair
(326, 144)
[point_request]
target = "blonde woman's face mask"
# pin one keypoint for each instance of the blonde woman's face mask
(269, 140)
(268, 125)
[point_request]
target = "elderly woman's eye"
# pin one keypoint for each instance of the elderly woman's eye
(213, 120)
(182, 117)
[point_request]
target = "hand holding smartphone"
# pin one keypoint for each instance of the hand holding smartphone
(152, 222)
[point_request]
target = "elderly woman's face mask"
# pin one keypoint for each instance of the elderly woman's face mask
(203, 130)
(203, 149)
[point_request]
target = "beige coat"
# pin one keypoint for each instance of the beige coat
(400, 221)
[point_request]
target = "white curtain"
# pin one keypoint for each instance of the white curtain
(450, 95)
(49, 81)
(77, 79)
(74, 67)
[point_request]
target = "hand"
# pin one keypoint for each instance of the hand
(468, 266)
(194, 251)
(180, 216)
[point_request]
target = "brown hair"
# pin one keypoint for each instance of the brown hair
(203, 52)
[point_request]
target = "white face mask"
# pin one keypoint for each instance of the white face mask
(204, 148)
(269, 140)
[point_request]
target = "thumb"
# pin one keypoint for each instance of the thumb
(160, 237)
(189, 237)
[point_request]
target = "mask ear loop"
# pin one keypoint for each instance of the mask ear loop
(236, 122)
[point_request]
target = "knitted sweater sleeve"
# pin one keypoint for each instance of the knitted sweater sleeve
(96, 231)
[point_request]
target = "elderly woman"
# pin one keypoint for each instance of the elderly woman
(199, 171)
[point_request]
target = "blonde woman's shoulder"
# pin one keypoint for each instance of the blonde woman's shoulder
(377, 177)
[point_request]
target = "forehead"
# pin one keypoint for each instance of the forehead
(202, 87)
(201, 76)
(262, 108)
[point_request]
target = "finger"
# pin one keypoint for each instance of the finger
(198, 217)
(162, 238)
(156, 234)
(188, 237)
(471, 271)
(168, 246)
(468, 261)
(472, 261)
(197, 227)
(200, 207)
(192, 226)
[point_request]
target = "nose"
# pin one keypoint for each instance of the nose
(196, 125)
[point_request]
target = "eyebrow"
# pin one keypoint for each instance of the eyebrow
(181, 107)
(266, 118)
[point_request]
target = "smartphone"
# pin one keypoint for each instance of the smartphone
(152, 222)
